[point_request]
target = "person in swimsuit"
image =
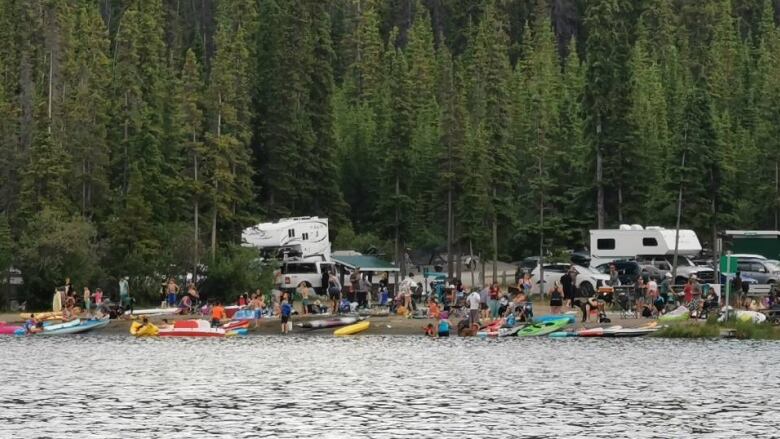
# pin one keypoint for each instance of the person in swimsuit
(556, 298)
(171, 291)
(286, 311)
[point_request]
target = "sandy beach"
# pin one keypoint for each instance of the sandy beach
(381, 325)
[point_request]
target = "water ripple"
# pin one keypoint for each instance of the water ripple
(385, 387)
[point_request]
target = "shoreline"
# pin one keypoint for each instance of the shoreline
(398, 325)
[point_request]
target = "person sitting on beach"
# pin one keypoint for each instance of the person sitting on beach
(217, 314)
(429, 330)
(33, 325)
(433, 309)
(503, 304)
(185, 307)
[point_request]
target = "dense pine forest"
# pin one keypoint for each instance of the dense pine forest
(138, 137)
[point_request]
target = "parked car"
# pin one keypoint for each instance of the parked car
(761, 270)
(587, 280)
(627, 270)
(658, 266)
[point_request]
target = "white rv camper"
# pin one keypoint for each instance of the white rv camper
(302, 244)
(630, 241)
(305, 238)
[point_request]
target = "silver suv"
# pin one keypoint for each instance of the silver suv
(658, 266)
(762, 270)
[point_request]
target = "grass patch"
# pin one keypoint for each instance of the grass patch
(712, 329)
(690, 330)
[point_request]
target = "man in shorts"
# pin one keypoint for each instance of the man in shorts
(286, 311)
(474, 307)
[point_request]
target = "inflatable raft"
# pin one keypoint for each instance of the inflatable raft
(352, 329)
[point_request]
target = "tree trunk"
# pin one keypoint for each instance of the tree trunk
(600, 190)
(196, 211)
(541, 229)
(399, 257)
(449, 235)
(216, 186)
(600, 214)
(777, 193)
(495, 240)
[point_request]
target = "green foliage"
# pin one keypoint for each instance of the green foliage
(53, 247)
(166, 126)
(235, 271)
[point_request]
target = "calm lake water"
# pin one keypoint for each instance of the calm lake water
(382, 387)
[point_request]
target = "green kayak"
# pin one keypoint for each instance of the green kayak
(543, 328)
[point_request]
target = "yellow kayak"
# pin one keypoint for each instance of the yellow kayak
(148, 330)
(353, 329)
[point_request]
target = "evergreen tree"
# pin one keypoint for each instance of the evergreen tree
(493, 111)
(230, 172)
(85, 110)
(189, 122)
(44, 179)
(328, 199)
(607, 102)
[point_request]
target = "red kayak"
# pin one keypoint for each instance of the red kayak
(192, 328)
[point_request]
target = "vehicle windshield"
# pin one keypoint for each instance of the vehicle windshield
(589, 270)
(772, 266)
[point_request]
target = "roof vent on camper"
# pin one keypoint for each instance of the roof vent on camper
(625, 227)
(654, 228)
(636, 227)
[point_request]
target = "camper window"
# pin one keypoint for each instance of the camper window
(291, 233)
(605, 244)
(305, 236)
(649, 242)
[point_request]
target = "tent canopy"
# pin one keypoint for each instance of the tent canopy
(366, 263)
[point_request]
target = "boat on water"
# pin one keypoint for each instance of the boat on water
(352, 329)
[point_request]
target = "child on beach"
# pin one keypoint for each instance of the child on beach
(433, 309)
(286, 310)
(429, 331)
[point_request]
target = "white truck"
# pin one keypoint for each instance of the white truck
(300, 244)
(651, 247)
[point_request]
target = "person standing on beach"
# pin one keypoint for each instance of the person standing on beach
(364, 286)
(474, 306)
(334, 291)
(171, 291)
(124, 292)
(484, 295)
(567, 283)
(286, 311)
(354, 280)
(493, 295)
(87, 301)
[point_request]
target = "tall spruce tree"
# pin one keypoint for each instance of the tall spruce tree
(230, 171)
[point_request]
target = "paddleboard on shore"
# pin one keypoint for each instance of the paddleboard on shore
(152, 311)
